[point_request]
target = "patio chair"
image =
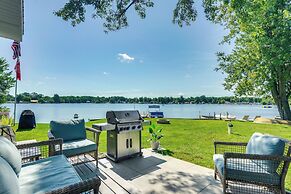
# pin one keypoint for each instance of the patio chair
(245, 118)
(76, 141)
(259, 166)
(52, 173)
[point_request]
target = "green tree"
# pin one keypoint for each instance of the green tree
(113, 13)
(6, 80)
(56, 98)
(259, 64)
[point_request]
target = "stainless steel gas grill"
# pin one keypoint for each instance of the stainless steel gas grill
(123, 134)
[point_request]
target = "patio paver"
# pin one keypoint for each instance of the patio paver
(152, 173)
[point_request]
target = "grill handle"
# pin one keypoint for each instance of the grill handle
(126, 143)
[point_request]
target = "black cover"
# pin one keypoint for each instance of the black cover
(27, 120)
(116, 117)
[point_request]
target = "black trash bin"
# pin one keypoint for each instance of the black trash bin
(27, 120)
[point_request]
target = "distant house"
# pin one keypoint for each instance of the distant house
(33, 101)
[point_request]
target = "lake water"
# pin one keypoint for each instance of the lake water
(46, 112)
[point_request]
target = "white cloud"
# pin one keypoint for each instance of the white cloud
(105, 73)
(140, 61)
(50, 78)
(181, 94)
(123, 57)
(187, 76)
(39, 83)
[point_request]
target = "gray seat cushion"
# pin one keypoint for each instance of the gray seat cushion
(69, 130)
(46, 175)
(73, 148)
(266, 145)
(10, 153)
(8, 179)
(245, 170)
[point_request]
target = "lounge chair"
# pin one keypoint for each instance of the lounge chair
(245, 118)
(53, 173)
(259, 166)
(256, 117)
(75, 141)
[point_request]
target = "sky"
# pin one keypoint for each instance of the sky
(152, 57)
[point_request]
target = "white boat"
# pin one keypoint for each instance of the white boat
(155, 112)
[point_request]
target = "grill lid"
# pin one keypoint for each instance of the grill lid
(127, 116)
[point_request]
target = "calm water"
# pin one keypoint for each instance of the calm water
(46, 112)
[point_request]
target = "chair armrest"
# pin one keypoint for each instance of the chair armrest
(229, 155)
(39, 150)
(58, 141)
(50, 135)
(93, 130)
(230, 143)
(96, 134)
(233, 147)
(87, 185)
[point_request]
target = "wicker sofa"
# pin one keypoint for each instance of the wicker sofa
(77, 139)
(259, 166)
(50, 173)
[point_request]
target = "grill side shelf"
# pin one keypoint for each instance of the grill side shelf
(104, 126)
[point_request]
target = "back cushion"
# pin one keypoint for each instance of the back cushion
(11, 154)
(8, 179)
(266, 145)
(69, 130)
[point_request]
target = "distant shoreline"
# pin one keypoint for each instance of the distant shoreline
(141, 103)
(55, 99)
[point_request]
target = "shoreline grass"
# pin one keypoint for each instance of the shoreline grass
(189, 140)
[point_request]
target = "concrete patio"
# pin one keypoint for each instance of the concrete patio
(152, 173)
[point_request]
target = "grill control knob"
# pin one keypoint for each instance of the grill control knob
(133, 127)
(127, 128)
(139, 126)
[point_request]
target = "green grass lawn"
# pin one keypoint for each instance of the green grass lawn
(190, 140)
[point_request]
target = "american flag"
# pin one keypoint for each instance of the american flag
(16, 49)
(17, 70)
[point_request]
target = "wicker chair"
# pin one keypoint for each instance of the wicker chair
(50, 173)
(243, 168)
(78, 140)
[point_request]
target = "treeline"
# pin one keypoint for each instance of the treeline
(40, 98)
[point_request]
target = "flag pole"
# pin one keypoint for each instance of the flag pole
(15, 101)
(16, 54)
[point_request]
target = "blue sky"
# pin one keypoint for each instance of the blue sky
(152, 57)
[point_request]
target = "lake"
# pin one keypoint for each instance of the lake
(44, 113)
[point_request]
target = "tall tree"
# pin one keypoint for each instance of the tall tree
(113, 12)
(56, 98)
(6, 80)
(259, 64)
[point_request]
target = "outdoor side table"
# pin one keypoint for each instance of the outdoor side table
(30, 154)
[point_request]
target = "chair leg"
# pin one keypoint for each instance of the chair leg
(224, 186)
(96, 158)
(215, 173)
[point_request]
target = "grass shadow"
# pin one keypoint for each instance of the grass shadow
(165, 152)
(237, 134)
(20, 130)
